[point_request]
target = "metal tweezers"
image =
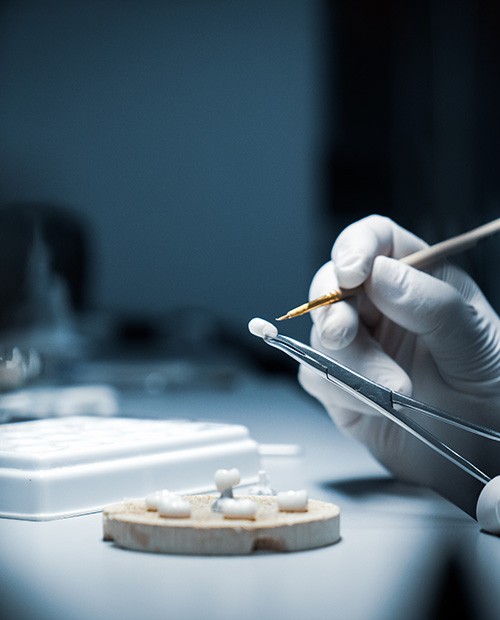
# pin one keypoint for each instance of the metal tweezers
(385, 401)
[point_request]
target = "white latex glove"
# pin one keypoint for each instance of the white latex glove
(431, 336)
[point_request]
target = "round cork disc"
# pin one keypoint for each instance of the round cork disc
(132, 526)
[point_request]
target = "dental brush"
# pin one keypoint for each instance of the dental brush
(419, 259)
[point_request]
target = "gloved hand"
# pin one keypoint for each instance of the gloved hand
(431, 335)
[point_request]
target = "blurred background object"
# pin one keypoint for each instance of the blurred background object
(43, 277)
(170, 169)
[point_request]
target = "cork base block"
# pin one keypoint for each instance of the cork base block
(130, 525)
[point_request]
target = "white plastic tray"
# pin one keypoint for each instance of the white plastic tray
(61, 467)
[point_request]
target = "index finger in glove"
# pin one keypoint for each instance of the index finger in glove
(336, 324)
(357, 246)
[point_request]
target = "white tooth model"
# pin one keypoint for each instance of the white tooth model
(239, 509)
(292, 501)
(174, 506)
(261, 328)
(225, 480)
(152, 499)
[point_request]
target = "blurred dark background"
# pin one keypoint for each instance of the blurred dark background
(211, 150)
(416, 132)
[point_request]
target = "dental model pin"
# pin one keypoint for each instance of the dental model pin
(262, 487)
(225, 480)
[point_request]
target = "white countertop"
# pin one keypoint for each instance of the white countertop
(396, 540)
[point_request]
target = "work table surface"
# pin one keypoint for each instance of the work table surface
(400, 547)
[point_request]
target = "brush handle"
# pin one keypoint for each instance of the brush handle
(451, 246)
(437, 252)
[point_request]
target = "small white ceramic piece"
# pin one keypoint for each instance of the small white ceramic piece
(261, 328)
(292, 501)
(488, 507)
(239, 509)
(152, 499)
(227, 478)
(174, 506)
